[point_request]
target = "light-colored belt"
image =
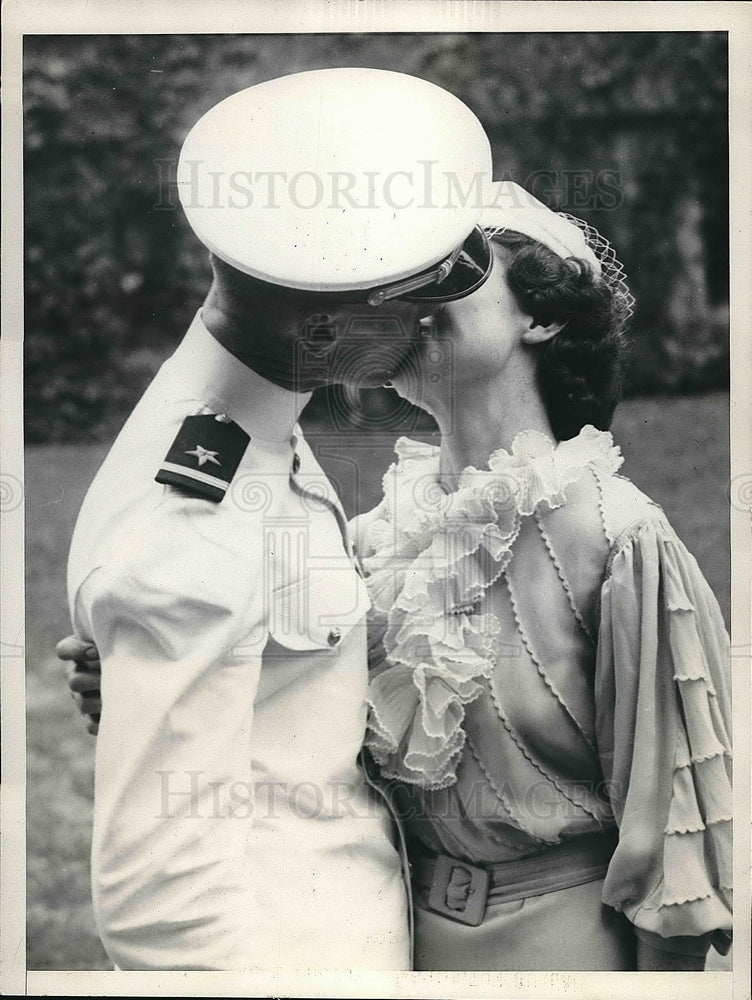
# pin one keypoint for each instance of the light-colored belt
(461, 891)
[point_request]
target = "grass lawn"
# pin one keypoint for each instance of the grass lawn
(676, 451)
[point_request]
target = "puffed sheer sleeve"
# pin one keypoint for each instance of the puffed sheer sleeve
(663, 729)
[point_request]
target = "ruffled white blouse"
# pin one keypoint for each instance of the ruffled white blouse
(548, 661)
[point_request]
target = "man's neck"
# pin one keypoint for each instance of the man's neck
(204, 366)
(274, 358)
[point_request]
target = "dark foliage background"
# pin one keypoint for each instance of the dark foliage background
(627, 130)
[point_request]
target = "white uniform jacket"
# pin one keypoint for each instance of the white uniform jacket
(233, 828)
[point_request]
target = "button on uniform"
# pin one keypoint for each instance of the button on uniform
(334, 637)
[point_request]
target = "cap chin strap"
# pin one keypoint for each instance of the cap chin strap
(435, 276)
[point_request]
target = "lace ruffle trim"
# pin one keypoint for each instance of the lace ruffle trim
(433, 555)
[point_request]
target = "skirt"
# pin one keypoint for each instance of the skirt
(569, 929)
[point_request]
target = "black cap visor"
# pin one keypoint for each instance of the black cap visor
(459, 275)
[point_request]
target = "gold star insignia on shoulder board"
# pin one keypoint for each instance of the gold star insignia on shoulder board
(204, 455)
(183, 466)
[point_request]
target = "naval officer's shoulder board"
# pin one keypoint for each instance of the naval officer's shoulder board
(204, 456)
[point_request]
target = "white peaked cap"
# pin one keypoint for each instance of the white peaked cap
(511, 207)
(335, 179)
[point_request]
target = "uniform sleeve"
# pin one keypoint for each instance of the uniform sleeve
(663, 724)
(178, 619)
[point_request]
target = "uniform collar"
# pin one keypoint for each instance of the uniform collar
(264, 410)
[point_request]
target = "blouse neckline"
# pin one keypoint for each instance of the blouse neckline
(432, 555)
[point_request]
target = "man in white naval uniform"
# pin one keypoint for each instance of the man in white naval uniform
(210, 565)
(209, 688)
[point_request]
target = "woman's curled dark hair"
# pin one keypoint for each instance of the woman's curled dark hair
(579, 370)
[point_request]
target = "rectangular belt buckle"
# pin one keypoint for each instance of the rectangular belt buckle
(459, 890)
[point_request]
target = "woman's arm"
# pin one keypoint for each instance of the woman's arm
(663, 730)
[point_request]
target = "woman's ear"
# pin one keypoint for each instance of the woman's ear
(536, 333)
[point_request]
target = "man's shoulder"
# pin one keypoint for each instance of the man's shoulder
(178, 563)
(138, 534)
(177, 522)
(179, 451)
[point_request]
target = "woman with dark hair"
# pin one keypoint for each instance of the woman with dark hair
(549, 701)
